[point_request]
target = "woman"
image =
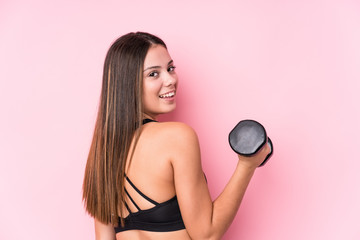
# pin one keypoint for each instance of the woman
(143, 179)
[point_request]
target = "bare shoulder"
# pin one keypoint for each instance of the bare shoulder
(180, 142)
(176, 131)
(171, 136)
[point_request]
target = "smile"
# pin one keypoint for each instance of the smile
(168, 95)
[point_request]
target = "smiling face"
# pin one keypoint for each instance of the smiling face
(159, 82)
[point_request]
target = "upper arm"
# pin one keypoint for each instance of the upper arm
(104, 231)
(190, 184)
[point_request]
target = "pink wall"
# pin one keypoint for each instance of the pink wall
(292, 65)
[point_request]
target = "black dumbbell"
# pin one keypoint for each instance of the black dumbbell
(248, 137)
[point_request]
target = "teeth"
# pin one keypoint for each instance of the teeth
(167, 95)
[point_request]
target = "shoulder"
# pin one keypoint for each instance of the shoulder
(176, 131)
(182, 144)
(174, 136)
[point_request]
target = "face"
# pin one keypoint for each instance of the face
(159, 82)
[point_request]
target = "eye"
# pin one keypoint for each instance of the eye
(171, 69)
(153, 74)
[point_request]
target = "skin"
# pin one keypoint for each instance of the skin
(159, 78)
(167, 162)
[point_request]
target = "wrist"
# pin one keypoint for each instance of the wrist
(247, 166)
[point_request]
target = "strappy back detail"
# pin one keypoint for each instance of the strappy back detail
(162, 217)
(140, 193)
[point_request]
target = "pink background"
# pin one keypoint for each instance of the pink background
(292, 65)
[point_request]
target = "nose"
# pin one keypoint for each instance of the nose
(171, 79)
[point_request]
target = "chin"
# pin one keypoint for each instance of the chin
(172, 108)
(168, 109)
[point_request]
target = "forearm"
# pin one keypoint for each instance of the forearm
(226, 205)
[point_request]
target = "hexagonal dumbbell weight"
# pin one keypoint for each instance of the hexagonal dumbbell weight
(248, 137)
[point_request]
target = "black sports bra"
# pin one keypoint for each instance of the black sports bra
(163, 217)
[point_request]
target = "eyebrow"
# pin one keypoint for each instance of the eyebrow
(171, 61)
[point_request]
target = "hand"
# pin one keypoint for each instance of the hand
(255, 160)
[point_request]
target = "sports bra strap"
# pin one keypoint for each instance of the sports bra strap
(127, 207)
(147, 120)
(132, 200)
(139, 192)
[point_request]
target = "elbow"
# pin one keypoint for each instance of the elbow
(211, 237)
(208, 235)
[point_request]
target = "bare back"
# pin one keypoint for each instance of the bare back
(151, 171)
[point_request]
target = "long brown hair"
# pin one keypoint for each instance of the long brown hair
(119, 116)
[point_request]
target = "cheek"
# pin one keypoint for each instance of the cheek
(151, 89)
(176, 79)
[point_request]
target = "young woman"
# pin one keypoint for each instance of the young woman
(143, 178)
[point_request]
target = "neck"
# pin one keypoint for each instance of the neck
(152, 117)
